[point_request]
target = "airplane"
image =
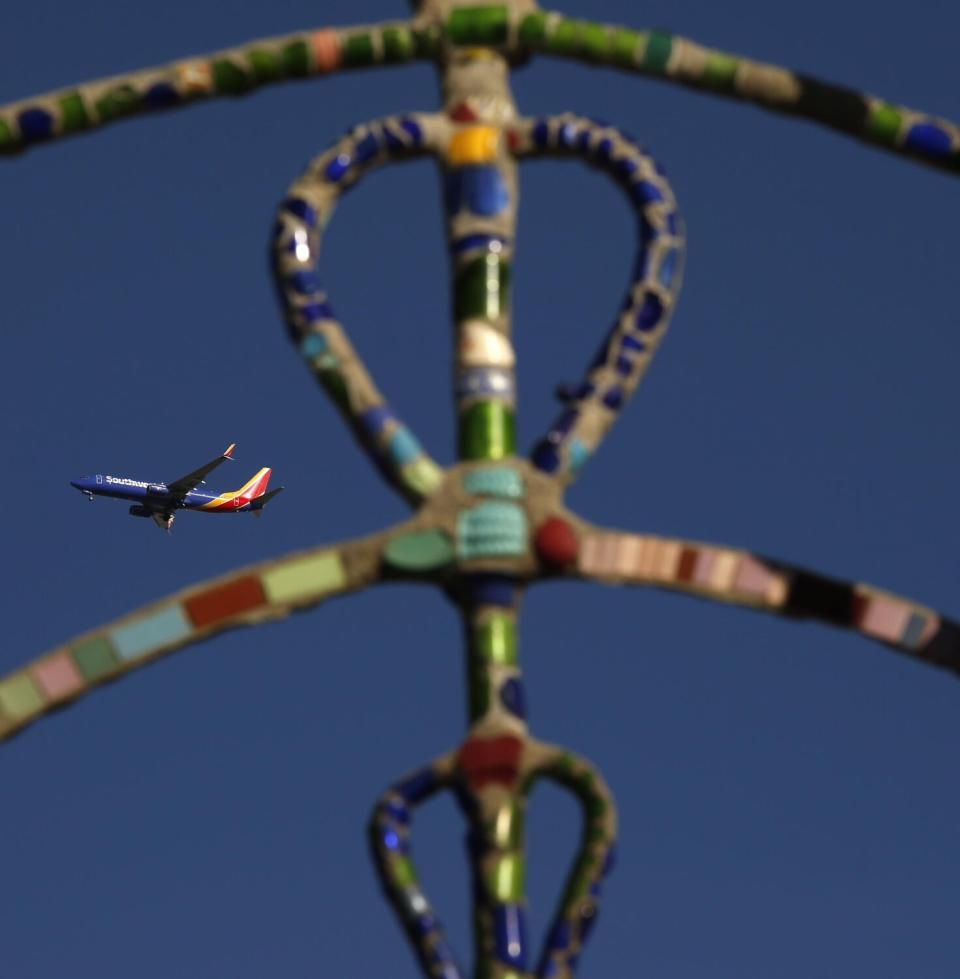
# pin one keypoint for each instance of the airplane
(160, 500)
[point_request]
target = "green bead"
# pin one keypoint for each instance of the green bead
(884, 124)
(265, 65)
(487, 431)
(479, 691)
(659, 48)
(73, 113)
(403, 871)
(565, 38)
(229, 78)
(296, 59)
(624, 47)
(397, 44)
(7, 139)
(506, 879)
(720, 71)
(533, 29)
(496, 640)
(595, 41)
(117, 102)
(335, 386)
(483, 26)
(426, 42)
(507, 829)
(94, 658)
(358, 51)
(425, 550)
(481, 289)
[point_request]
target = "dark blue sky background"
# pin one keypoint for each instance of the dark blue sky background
(788, 794)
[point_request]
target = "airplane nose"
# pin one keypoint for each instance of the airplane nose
(75, 483)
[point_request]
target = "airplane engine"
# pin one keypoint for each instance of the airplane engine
(140, 511)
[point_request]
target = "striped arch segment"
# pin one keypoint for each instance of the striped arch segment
(310, 318)
(738, 577)
(891, 127)
(231, 72)
(625, 354)
(261, 593)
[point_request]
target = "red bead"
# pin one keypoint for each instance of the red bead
(556, 543)
(462, 112)
(513, 139)
(490, 760)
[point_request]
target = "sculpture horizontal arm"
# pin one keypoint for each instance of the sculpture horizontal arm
(234, 71)
(260, 593)
(866, 117)
(740, 578)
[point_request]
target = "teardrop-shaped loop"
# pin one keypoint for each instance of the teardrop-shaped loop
(312, 323)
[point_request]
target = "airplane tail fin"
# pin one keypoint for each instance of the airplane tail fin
(261, 501)
(255, 486)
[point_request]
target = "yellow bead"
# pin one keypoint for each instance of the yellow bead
(473, 144)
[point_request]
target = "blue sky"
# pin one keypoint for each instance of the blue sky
(787, 793)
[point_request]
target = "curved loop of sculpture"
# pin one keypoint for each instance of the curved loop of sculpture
(627, 351)
(491, 524)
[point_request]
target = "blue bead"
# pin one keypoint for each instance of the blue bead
(479, 189)
(374, 420)
(412, 129)
(337, 167)
(314, 312)
(510, 933)
(393, 141)
(391, 840)
(586, 389)
(632, 343)
(301, 209)
(161, 95)
(613, 398)
(512, 697)
(624, 366)
(541, 134)
(565, 392)
(417, 786)
(929, 140)
(646, 193)
(425, 924)
(578, 454)
(650, 312)
(491, 589)
(625, 167)
(35, 124)
(469, 242)
(545, 457)
(560, 935)
(304, 283)
(583, 141)
(403, 447)
(397, 811)
(667, 268)
(567, 135)
(313, 345)
(603, 150)
(366, 149)
(565, 423)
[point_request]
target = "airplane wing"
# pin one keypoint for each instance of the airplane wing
(180, 487)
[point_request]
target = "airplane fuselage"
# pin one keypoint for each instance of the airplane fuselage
(156, 496)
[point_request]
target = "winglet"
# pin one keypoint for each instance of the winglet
(229, 453)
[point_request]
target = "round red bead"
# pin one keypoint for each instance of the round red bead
(556, 542)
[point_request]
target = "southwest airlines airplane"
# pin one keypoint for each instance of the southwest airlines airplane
(160, 500)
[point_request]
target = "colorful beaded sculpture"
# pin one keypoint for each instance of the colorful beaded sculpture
(489, 526)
